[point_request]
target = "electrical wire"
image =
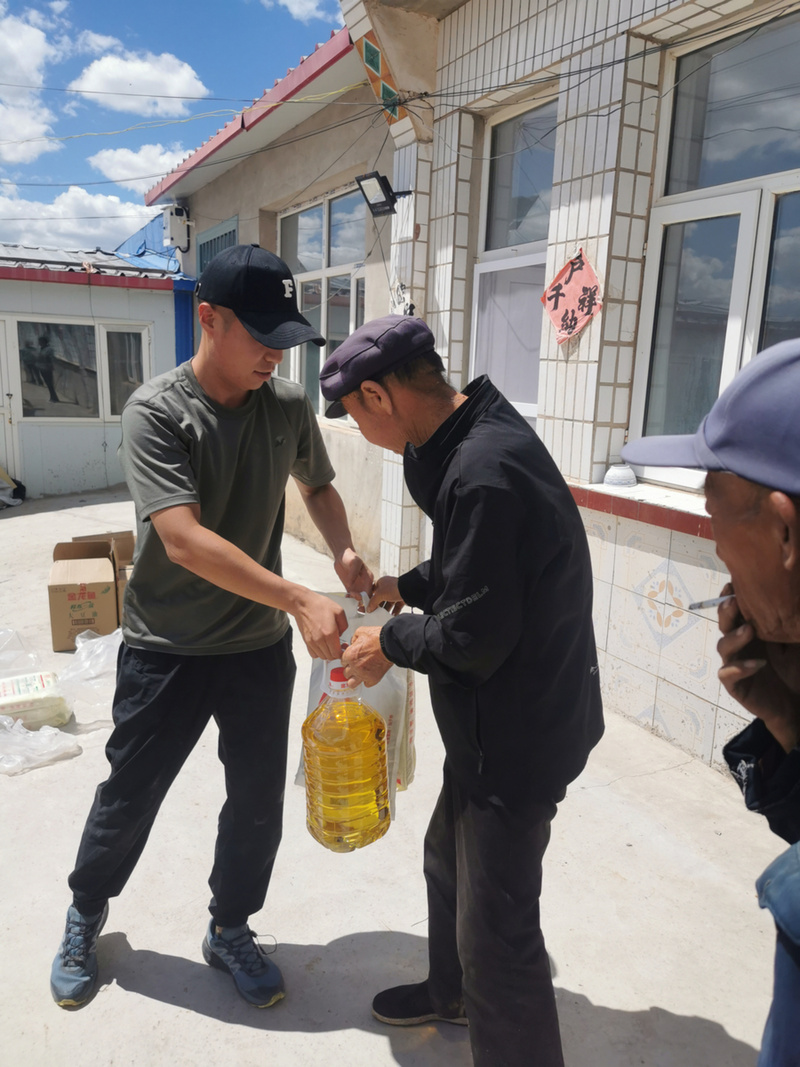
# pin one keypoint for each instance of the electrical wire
(409, 101)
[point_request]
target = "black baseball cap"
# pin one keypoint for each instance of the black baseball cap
(372, 350)
(753, 428)
(259, 289)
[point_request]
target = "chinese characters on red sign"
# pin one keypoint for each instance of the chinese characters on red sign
(573, 297)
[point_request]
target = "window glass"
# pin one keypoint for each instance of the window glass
(311, 306)
(338, 311)
(737, 109)
(124, 366)
(348, 216)
(691, 321)
(521, 178)
(301, 240)
(58, 368)
(781, 319)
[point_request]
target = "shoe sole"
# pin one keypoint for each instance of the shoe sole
(418, 1020)
(213, 960)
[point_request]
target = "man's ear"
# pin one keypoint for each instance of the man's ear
(376, 398)
(787, 522)
(206, 315)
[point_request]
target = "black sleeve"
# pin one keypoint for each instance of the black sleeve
(413, 585)
(479, 610)
(768, 777)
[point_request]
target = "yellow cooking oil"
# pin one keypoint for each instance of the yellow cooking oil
(344, 761)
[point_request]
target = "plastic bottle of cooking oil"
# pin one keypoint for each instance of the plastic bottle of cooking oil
(344, 760)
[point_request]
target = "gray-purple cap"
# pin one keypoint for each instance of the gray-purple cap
(752, 430)
(374, 349)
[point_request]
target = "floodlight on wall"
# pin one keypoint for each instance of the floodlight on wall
(378, 193)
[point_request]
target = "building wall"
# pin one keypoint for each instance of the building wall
(659, 662)
(605, 65)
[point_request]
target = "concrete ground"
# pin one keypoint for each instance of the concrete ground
(660, 953)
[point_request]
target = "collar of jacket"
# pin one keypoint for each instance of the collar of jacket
(425, 466)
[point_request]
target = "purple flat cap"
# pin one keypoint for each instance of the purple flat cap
(752, 430)
(369, 352)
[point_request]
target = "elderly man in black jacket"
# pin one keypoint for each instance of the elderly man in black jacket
(505, 635)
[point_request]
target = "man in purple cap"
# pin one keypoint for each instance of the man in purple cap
(504, 633)
(207, 450)
(750, 445)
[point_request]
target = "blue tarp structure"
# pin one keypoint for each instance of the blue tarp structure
(146, 248)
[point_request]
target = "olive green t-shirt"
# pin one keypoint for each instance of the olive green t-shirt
(180, 447)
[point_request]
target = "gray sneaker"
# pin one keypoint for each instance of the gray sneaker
(74, 974)
(235, 950)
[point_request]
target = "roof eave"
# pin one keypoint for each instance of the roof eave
(298, 79)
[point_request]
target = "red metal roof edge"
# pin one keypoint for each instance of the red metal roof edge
(309, 69)
(68, 277)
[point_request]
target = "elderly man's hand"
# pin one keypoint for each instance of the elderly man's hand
(363, 660)
(763, 676)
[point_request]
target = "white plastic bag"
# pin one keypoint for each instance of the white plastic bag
(90, 677)
(392, 698)
(21, 749)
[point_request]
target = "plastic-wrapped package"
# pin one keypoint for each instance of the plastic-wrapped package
(34, 699)
(22, 749)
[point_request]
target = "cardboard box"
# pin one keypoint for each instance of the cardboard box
(123, 543)
(82, 591)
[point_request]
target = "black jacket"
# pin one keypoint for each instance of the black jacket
(506, 637)
(768, 777)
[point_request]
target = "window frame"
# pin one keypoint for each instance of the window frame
(293, 366)
(755, 200)
(487, 255)
(494, 266)
(101, 329)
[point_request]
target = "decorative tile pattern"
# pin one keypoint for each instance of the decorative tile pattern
(380, 77)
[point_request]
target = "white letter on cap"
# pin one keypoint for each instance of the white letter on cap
(288, 288)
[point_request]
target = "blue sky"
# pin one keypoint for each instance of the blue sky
(99, 99)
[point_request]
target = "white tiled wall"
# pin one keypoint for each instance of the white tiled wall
(603, 62)
(659, 663)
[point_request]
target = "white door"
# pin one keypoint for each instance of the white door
(507, 330)
(7, 450)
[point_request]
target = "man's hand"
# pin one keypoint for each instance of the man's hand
(363, 660)
(385, 594)
(763, 676)
(321, 621)
(353, 572)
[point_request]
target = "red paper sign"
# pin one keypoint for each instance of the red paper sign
(573, 297)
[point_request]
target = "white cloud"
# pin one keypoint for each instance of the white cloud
(95, 43)
(24, 50)
(306, 10)
(58, 7)
(155, 83)
(137, 170)
(23, 128)
(76, 219)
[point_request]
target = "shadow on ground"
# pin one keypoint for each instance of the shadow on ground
(330, 988)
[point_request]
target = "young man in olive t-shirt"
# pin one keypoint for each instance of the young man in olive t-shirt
(207, 450)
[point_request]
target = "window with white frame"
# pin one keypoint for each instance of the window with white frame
(510, 274)
(212, 241)
(324, 246)
(79, 370)
(722, 274)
